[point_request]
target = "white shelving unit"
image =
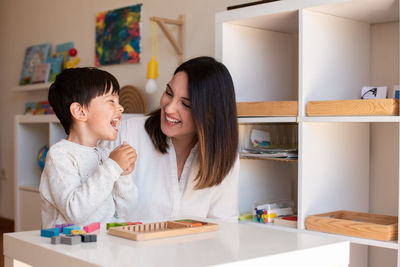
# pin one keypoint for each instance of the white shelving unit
(32, 132)
(321, 50)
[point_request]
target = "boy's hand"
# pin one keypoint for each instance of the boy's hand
(125, 156)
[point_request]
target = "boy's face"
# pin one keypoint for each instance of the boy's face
(103, 116)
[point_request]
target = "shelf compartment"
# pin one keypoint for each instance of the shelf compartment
(356, 107)
(267, 108)
(358, 224)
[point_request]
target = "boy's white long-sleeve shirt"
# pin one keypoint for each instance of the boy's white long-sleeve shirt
(81, 185)
(161, 194)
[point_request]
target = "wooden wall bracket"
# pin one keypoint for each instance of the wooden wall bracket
(177, 43)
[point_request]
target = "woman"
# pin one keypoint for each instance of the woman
(187, 150)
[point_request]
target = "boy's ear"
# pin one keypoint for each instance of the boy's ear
(78, 112)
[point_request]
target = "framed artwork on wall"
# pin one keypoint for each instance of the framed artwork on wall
(118, 36)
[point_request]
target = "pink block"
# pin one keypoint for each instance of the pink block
(91, 227)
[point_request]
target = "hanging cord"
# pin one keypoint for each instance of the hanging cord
(154, 42)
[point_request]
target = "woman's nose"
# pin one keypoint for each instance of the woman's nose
(171, 106)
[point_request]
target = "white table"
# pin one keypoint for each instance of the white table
(233, 244)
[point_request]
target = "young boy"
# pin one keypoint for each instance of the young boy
(82, 183)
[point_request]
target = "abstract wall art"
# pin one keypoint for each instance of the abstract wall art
(118, 36)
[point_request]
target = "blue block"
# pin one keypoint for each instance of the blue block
(67, 230)
(50, 232)
(396, 94)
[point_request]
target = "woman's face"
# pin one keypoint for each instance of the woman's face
(176, 113)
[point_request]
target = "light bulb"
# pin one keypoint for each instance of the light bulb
(151, 86)
(152, 73)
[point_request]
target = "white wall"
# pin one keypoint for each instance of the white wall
(54, 21)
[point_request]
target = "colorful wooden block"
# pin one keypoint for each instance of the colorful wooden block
(93, 238)
(55, 240)
(71, 240)
(86, 238)
(92, 227)
(89, 238)
(67, 230)
(78, 232)
(116, 224)
(50, 232)
(61, 226)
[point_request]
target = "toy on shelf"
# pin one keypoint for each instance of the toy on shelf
(267, 212)
(162, 229)
(38, 108)
(42, 157)
(73, 59)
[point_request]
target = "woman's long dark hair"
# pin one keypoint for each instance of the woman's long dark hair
(214, 114)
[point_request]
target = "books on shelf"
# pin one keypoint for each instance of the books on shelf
(272, 152)
(34, 56)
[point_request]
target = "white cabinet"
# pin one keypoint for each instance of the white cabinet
(32, 132)
(321, 50)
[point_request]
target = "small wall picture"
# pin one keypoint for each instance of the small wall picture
(34, 55)
(374, 92)
(118, 36)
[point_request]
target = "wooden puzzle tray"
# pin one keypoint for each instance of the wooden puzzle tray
(162, 229)
(358, 224)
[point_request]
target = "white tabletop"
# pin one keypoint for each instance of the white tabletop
(231, 244)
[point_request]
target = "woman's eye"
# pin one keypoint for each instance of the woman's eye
(186, 105)
(168, 92)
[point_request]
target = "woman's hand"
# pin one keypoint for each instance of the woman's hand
(125, 156)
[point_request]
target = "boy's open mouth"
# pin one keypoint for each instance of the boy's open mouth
(114, 123)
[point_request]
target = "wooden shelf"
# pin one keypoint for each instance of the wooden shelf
(267, 108)
(357, 107)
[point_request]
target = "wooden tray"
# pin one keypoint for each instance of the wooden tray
(359, 224)
(267, 108)
(357, 107)
(162, 229)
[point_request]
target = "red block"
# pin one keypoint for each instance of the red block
(91, 227)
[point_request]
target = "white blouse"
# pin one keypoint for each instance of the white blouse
(161, 194)
(81, 185)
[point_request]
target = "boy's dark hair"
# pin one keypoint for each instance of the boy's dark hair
(213, 106)
(79, 85)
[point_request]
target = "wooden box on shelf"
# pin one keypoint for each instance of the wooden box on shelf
(267, 108)
(356, 107)
(358, 224)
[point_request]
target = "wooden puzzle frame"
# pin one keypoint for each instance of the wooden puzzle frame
(163, 229)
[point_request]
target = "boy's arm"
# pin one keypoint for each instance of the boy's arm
(125, 194)
(62, 186)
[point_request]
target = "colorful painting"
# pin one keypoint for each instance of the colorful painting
(118, 36)
(34, 55)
